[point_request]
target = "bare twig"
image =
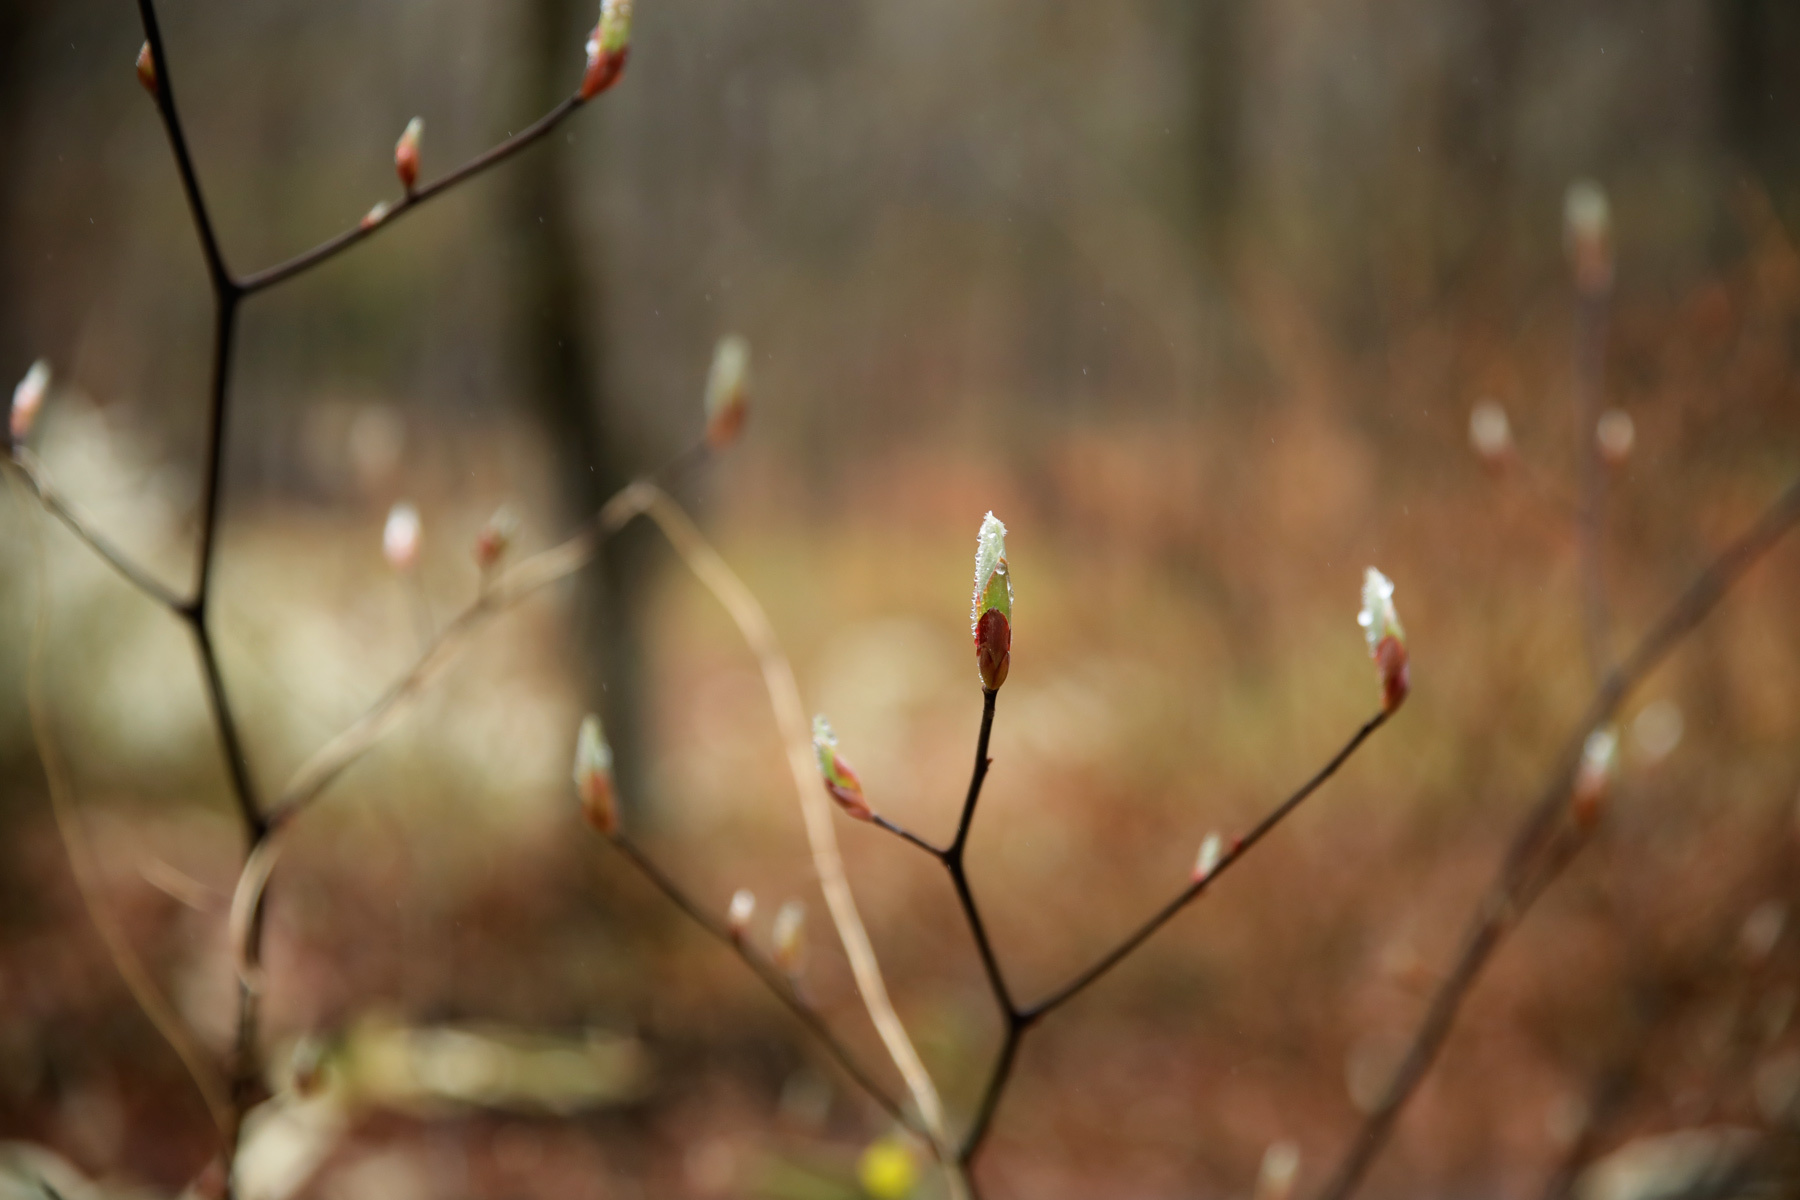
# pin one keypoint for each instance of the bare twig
(1533, 858)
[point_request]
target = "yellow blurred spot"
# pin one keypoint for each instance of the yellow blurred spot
(887, 1170)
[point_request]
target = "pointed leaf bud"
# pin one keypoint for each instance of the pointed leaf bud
(406, 153)
(495, 538)
(1490, 433)
(1615, 434)
(737, 916)
(146, 69)
(990, 614)
(607, 48)
(1594, 777)
(400, 537)
(727, 391)
(375, 216)
(594, 777)
(28, 399)
(1387, 641)
(840, 779)
(1208, 862)
(788, 938)
(1587, 236)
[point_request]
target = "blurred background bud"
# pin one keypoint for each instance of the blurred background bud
(376, 215)
(496, 538)
(1280, 1168)
(146, 68)
(739, 912)
(1587, 235)
(400, 537)
(28, 399)
(1490, 433)
(406, 153)
(1594, 777)
(1615, 434)
(1208, 860)
(840, 779)
(991, 612)
(594, 777)
(1762, 929)
(1387, 640)
(788, 938)
(607, 48)
(727, 391)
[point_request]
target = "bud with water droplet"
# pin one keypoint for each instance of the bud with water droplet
(495, 538)
(607, 48)
(400, 537)
(788, 937)
(991, 611)
(1594, 777)
(727, 391)
(28, 400)
(840, 780)
(1387, 640)
(1208, 861)
(146, 68)
(739, 912)
(594, 777)
(406, 153)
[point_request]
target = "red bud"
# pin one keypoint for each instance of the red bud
(993, 648)
(1391, 664)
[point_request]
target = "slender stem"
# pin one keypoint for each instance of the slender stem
(39, 484)
(979, 776)
(1182, 899)
(906, 834)
(770, 975)
(1522, 877)
(996, 1087)
(337, 244)
(190, 180)
(224, 330)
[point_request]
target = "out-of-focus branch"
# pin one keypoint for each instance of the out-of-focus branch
(82, 864)
(1534, 857)
(37, 482)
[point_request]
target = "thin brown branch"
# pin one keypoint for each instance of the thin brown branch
(1530, 862)
(333, 246)
(771, 977)
(1085, 977)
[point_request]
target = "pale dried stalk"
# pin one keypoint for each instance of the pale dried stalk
(784, 694)
(82, 862)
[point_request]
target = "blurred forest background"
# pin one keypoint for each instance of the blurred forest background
(1197, 295)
